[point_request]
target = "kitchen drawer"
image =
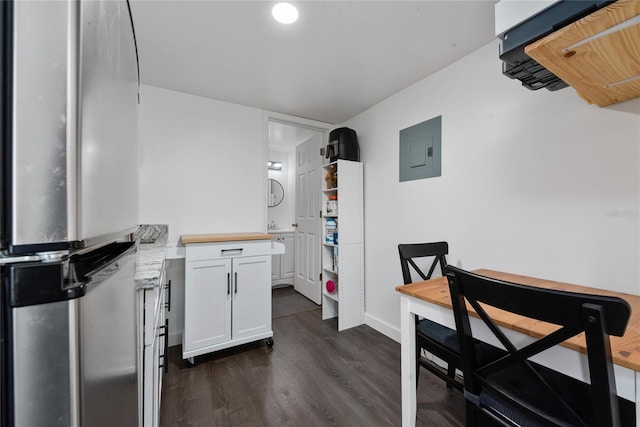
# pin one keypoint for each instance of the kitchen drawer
(206, 251)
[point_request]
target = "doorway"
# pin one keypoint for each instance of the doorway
(286, 136)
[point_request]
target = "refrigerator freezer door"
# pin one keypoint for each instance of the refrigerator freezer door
(71, 356)
(108, 347)
(39, 346)
(44, 360)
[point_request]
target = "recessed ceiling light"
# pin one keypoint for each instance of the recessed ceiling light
(285, 13)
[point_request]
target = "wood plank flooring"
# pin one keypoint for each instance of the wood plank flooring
(313, 376)
(287, 301)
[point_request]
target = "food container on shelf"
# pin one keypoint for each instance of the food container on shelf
(332, 205)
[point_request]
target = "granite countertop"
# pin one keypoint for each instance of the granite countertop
(149, 265)
(152, 248)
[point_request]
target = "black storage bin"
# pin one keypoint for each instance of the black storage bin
(343, 145)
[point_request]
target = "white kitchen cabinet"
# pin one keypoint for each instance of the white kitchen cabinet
(155, 325)
(283, 266)
(227, 295)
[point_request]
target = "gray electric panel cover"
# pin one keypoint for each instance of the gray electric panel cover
(421, 150)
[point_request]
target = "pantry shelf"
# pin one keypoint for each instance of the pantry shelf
(331, 296)
(328, 270)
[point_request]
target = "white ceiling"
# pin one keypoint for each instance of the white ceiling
(339, 59)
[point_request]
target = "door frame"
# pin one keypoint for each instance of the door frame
(271, 116)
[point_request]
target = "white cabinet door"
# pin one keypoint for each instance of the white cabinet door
(207, 300)
(287, 260)
(251, 291)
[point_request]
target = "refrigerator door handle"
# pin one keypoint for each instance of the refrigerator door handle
(71, 131)
(100, 264)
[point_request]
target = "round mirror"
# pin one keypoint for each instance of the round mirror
(276, 193)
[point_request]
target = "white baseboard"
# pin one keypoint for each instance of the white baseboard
(383, 327)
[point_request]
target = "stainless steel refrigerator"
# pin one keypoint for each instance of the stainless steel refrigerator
(68, 192)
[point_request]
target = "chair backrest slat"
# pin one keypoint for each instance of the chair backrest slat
(410, 251)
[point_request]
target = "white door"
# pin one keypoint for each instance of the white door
(207, 300)
(308, 235)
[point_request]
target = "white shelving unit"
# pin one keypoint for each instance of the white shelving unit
(343, 261)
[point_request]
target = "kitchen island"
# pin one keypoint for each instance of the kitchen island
(227, 291)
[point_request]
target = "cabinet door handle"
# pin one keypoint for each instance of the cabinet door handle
(166, 347)
(236, 284)
(228, 283)
(167, 305)
(165, 362)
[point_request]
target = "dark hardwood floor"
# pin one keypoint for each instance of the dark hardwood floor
(286, 301)
(313, 376)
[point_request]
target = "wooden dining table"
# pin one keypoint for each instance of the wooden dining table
(431, 299)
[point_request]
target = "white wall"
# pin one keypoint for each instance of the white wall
(535, 183)
(202, 164)
(202, 170)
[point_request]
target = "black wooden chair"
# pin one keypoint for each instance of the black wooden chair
(431, 336)
(517, 392)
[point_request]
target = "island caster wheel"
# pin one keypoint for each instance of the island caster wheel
(269, 342)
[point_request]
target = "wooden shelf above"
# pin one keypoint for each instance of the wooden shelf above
(599, 55)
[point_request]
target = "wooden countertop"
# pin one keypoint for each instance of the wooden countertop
(223, 237)
(625, 350)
